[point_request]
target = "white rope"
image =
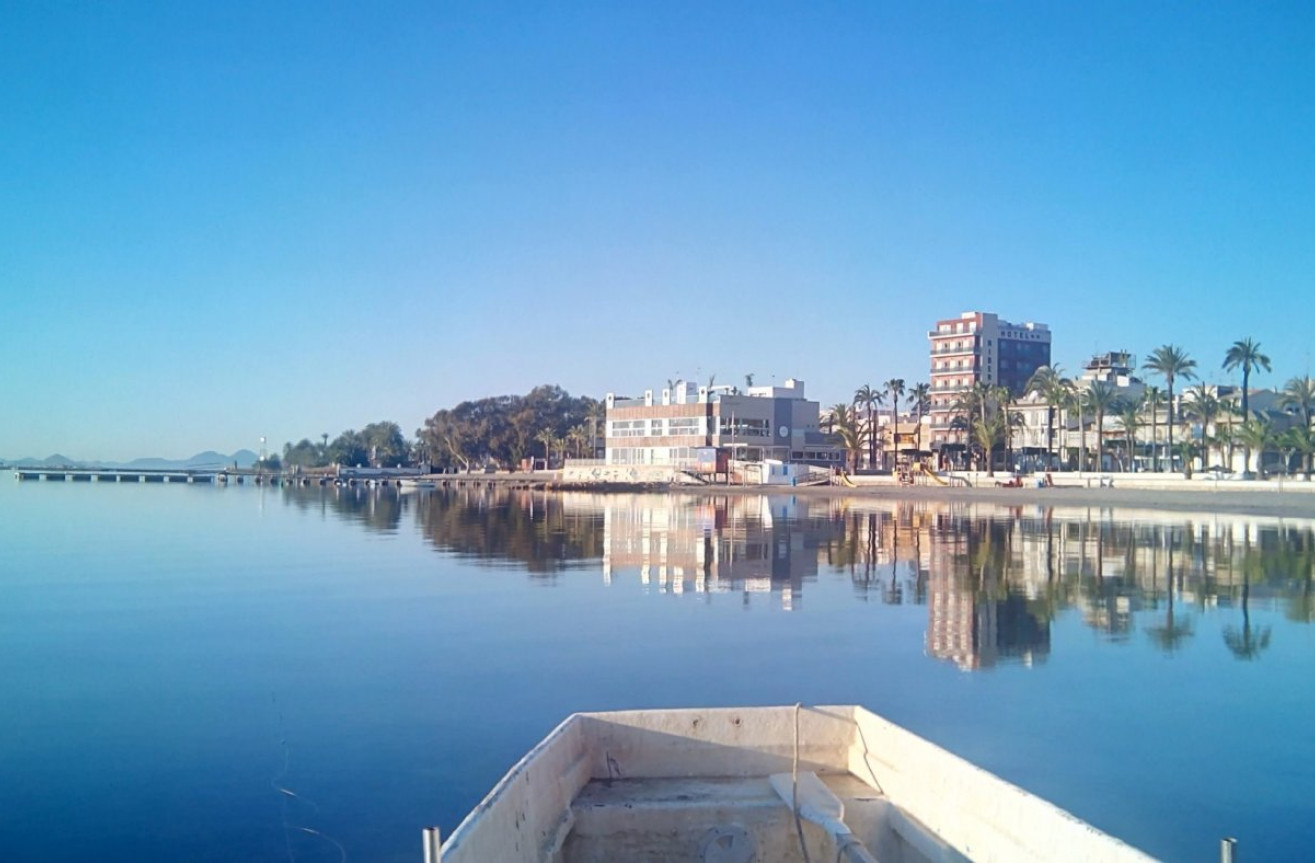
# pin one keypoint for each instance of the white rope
(794, 788)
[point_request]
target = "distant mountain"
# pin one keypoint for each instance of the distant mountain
(55, 460)
(209, 459)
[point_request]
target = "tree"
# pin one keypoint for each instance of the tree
(1205, 407)
(987, 432)
(920, 401)
(1152, 398)
(503, 429)
(349, 449)
(1245, 355)
(384, 443)
(303, 454)
(895, 389)
(1298, 396)
(1130, 421)
(866, 399)
(748, 380)
(845, 426)
(1256, 433)
(1100, 398)
(1290, 442)
(1172, 363)
(1049, 383)
(971, 406)
(549, 440)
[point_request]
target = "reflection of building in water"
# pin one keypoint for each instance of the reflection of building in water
(975, 631)
(976, 614)
(708, 545)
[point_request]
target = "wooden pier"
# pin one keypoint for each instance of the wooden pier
(98, 474)
(225, 476)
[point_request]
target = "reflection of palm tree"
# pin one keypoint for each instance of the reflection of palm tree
(1246, 643)
(1174, 632)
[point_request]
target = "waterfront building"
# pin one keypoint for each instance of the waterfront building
(979, 347)
(672, 426)
(1072, 430)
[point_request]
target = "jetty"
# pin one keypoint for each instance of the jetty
(105, 474)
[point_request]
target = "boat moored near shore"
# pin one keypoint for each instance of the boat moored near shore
(734, 785)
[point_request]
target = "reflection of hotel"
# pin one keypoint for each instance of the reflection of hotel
(709, 545)
(975, 631)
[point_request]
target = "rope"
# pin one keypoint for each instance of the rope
(794, 788)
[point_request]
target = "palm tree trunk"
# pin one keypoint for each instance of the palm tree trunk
(1170, 469)
(1050, 436)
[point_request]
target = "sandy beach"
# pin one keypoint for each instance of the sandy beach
(1270, 499)
(1280, 504)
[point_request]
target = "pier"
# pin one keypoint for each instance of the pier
(98, 474)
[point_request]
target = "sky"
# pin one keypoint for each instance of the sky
(228, 221)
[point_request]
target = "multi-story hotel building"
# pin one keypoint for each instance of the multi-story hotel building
(979, 347)
(767, 422)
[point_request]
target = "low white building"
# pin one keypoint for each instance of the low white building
(762, 423)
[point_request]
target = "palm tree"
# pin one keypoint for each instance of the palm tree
(1152, 398)
(1291, 441)
(844, 424)
(970, 406)
(1049, 383)
(867, 399)
(1070, 400)
(596, 414)
(1130, 420)
(1299, 397)
(986, 433)
(1257, 433)
(549, 441)
(577, 437)
(1100, 398)
(1245, 355)
(1204, 406)
(1172, 363)
(748, 380)
(1300, 440)
(920, 401)
(895, 389)
(1004, 399)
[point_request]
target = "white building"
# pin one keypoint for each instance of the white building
(761, 423)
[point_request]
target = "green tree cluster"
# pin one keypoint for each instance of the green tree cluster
(379, 444)
(503, 430)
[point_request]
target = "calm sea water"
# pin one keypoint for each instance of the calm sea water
(203, 673)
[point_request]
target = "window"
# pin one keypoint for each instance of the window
(628, 428)
(683, 426)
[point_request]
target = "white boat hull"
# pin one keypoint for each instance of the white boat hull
(694, 785)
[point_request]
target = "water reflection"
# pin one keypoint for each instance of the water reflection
(717, 544)
(993, 579)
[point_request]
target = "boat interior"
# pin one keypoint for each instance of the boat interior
(745, 785)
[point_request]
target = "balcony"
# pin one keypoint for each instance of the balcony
(943, 350)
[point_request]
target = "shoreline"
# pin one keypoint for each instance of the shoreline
(1278, 502)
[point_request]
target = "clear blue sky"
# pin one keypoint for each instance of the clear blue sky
(228, 220)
